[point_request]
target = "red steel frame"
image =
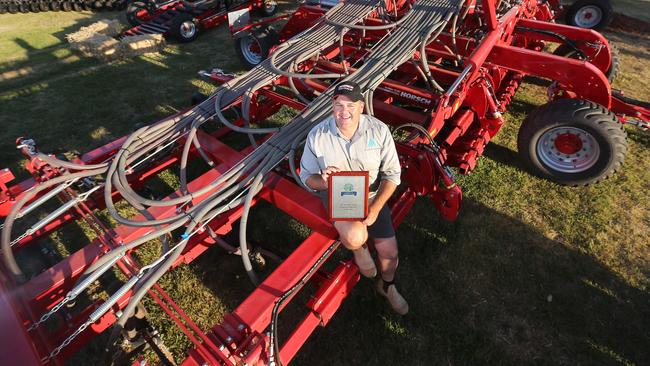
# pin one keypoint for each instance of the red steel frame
(462, 120)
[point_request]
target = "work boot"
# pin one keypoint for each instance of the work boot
(364, 260)
(395, 299)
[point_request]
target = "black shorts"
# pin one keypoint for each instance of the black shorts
(383, 226)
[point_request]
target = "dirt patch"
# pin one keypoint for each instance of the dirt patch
(629, 25)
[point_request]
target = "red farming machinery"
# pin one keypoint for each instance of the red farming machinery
(441, 72)
(184, 20)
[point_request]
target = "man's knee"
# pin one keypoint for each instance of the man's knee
(353, 238)
(387, 248)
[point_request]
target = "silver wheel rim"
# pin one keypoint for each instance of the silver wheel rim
(568, 162)
(588, 16)
(252, 57)
(188, 29)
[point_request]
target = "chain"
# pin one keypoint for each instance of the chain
(55, 352)
(47, 315)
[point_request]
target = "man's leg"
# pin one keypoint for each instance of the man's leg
(353, 235)
(388, 260)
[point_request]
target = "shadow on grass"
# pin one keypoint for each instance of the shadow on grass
(488, 290)
(503, 155)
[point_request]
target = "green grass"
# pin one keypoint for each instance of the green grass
(530, 273)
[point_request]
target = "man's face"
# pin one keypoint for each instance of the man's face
(346, 112)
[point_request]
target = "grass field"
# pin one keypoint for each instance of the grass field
(531, 273)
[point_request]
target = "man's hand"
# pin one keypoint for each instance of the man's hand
(318, 182)
(325, 173)
(372, 216)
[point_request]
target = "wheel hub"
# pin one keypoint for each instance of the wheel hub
(188, 29)
(568, 149)
(251, 50)
(588, 16)
(568, 143)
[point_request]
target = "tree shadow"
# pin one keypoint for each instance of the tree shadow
(488, 289)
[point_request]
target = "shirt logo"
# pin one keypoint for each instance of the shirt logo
(372, 143)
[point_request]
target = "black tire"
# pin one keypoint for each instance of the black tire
(254, 47)
(76, 6)
(33, 7)
(184, 28)
(43, 6)
(611, 73)
(12, 8)
(592, 146)
(66, 6)
(579, 14)
(3, 8)
(268, 8)
(23, 7)
(55, 6)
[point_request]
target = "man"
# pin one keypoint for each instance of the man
(350, 141)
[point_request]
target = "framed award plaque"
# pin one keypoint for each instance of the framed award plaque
(348, 196)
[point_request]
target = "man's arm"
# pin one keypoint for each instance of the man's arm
(389, 173)
(386, 189)
(318, 182)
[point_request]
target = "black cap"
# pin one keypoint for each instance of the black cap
(350, 89)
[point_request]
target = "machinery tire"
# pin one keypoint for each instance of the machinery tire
(23, 7)
(611, 73)
(184, 28)
(572, 142)
(55, 6)
(3, 8)
(591, 14)
(33, 7)
(98, 5)
(254, 47)
(76, 6)
(66, 6)
(43, 6)
(268, 8)
(12, 8)
(132, 12)
(108, 5)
